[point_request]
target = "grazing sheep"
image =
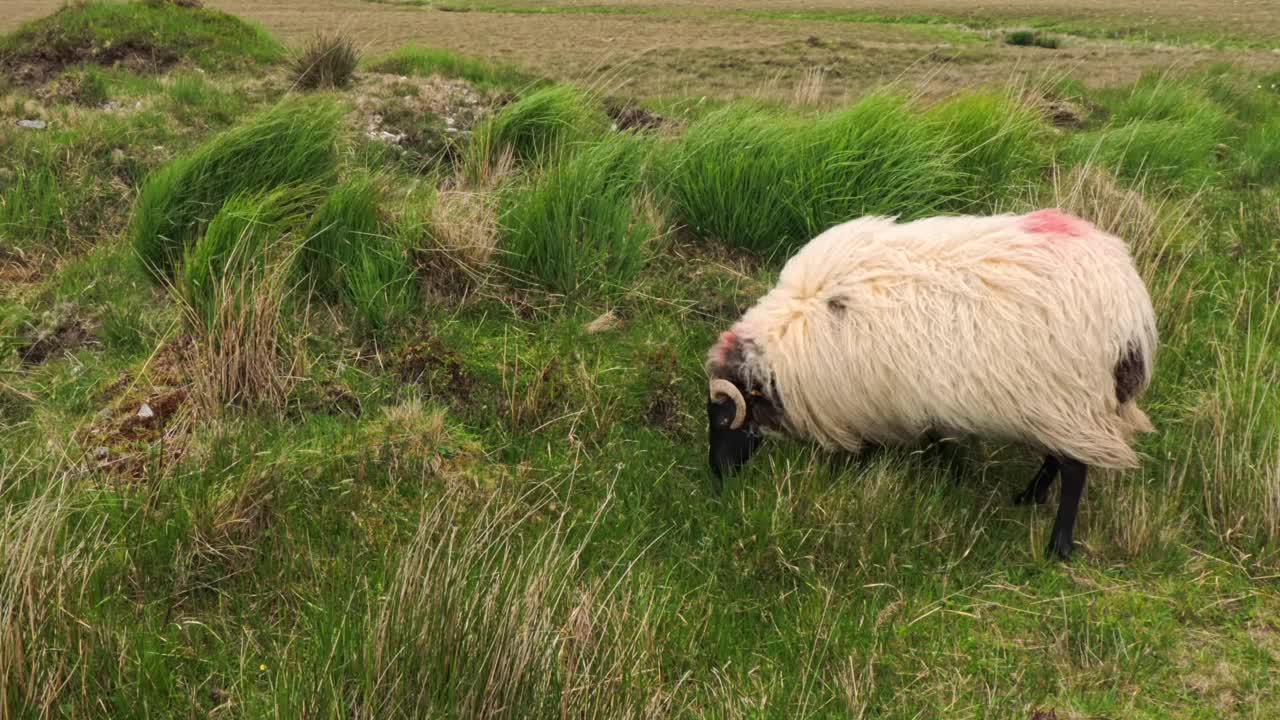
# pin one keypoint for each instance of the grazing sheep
(1033, 328)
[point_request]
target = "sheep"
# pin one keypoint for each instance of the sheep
(1031, 328)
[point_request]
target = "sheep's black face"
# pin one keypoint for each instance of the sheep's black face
(729, 448)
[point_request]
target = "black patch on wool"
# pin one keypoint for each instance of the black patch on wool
(1129, 374)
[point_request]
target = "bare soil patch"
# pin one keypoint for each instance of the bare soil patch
(144, 411)
(438, 369)
(57, 340)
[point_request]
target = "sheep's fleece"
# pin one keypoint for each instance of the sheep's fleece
(1008, 326)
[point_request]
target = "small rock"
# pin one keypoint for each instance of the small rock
(100, 453)
(387, 137)
(104, 414)
(145, 412)
(117, 157)
(33, 124)
(604, 323)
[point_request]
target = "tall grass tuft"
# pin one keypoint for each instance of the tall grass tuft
(538, 126)
(767, 182)
(32, 203)
(1166, 129)
(380, 286)
(999, 144)
(347, 220)
(350, 253)
(326, 61)
(1237, 448)
(290, 144)
(874, 158)
(490, 617)
(47, 559)
(582, 223)
(731, 178)
(234, 288)
(1259, 154)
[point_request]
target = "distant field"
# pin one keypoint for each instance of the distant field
(678, 48)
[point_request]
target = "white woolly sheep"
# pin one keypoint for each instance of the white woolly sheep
(1032, 328)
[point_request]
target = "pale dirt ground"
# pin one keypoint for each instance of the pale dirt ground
(689, 49)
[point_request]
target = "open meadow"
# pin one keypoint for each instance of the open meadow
(352, 360)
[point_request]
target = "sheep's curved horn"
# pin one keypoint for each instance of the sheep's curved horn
(721, 387)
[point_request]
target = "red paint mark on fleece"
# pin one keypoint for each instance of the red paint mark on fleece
(1055, 222)
(727, 341)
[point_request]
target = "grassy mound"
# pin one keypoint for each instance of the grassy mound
(581, 223)
(289, 144)
(140, 35)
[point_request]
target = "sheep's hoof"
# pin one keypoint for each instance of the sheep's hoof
(1061, 548)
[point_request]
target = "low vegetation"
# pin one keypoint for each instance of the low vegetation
(292, 427)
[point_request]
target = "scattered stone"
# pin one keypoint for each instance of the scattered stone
(33, 124)
(386, 137)
(117, 157)
(605, 323)
(100, 453)
(145, 412)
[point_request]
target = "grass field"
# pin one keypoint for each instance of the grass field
(385, 398)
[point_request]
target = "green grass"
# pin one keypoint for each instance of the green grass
(289, 144)
(338, 231)
(32, 206)
(1001, 146)
(1032, 38)
(540, 124)
(239, 245)
(160, 33)
(433, 61)
(767, 182)
(582, 223)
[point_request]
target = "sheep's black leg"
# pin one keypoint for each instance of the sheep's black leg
(1038, 490)
(1073, 476)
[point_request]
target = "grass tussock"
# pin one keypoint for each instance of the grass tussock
(292, 143)
(999, 142)
(537, 126)
(1032, 38)
(491, 617)
(46, 563)
(583, 222)
(327, 61)
(349, 219)
(32, 209)
(766, 181)
(432, 61)
(235, 292)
